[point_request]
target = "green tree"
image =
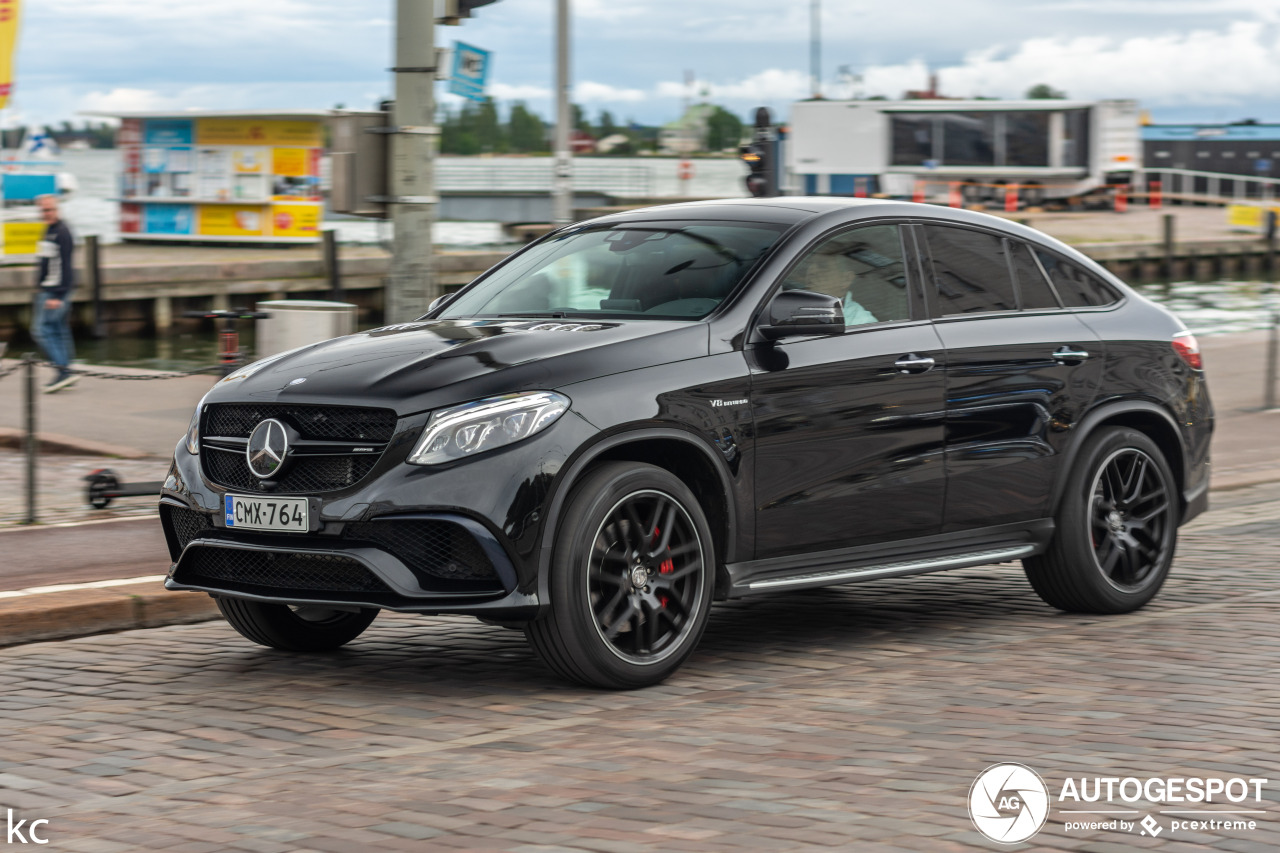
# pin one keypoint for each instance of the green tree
(489, 130)
(1044, 92)
(525, 131)
(605, 125)
(724, 130)
(579, 119)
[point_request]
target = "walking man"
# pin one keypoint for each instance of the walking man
(55, 279)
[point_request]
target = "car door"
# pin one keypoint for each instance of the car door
(1020, 371)
(849, 428)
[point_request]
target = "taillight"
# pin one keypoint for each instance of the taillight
(1185, 345)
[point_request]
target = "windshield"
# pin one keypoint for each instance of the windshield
(670, 271)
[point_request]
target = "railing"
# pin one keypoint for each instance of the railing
(505, 176)
(1192, 185)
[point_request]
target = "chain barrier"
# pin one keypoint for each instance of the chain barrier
(127, 377)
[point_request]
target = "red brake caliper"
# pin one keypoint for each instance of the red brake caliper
(667, 566)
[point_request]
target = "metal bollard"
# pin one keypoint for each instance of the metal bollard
(30, 442)
(1273, 354)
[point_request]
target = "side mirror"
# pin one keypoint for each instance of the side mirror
(793, 313)
(439, 302)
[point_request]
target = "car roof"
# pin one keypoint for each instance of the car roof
(792, 210)
(795, 210)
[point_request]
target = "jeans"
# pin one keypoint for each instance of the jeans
(51, 327)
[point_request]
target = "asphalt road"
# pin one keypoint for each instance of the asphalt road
(42, 556)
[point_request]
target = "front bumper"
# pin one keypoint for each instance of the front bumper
(460, 538)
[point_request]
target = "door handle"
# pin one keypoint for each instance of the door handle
(912, 363)
(1067, 355)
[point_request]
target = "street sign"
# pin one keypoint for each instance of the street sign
(470, 70)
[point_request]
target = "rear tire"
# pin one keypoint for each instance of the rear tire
(1117, 526)
(631, 579)
(295, 629)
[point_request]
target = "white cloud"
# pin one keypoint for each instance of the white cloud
(128, 100)
(591, 92)
(524, 92)
(1220, 66)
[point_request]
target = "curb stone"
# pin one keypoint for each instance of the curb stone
(83, 612)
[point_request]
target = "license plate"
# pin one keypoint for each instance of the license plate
(286, 515)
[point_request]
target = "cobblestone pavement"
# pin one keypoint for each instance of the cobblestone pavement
(60, 493)
(853, 718)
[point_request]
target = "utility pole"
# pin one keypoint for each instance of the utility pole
(414, 142)
(815, 47)
(562, 182)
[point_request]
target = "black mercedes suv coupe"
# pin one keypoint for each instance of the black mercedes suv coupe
(640, 414)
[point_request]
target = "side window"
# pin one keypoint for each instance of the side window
(863, 268)
(970, 271)
(1033, 289)
(1078, 288)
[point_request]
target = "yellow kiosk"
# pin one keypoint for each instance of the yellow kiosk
(221, 176)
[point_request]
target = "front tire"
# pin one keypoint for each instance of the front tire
(631, 579)
(1116, 528)
(313, 628)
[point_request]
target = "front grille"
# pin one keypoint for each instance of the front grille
(277, 573)
(305, 473)
(329, 423)
(440, 550)
(186, 524)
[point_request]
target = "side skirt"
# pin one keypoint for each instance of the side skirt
(896, 559)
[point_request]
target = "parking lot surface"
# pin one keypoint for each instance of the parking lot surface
(854, 718)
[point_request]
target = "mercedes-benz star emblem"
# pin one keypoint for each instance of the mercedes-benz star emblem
(268, 446)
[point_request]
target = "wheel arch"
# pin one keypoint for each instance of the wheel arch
(678, 451)
(1146, 417)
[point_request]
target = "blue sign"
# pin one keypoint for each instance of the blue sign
(1262, 164)
(470, 71)
(173, 219)
(168, 132)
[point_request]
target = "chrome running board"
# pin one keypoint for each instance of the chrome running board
(908, 567)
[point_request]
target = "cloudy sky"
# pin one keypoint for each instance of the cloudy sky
(1185, 60)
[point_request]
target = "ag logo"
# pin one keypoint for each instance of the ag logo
(1008, 803)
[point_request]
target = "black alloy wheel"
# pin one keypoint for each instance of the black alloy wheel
(1129, 518)
(1116, 527)
(645, 576)
(631, 580)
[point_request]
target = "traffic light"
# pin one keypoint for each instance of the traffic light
(759, 155)
(756, 156)
(454, 11)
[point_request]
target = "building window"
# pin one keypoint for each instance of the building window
(968, 139)
(1026, 139)
(912, 140)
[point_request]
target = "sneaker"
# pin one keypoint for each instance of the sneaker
(64, 379)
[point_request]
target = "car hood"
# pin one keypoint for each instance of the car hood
(412, 367)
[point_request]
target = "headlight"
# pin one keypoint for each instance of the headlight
(193, 431)
(461, 431)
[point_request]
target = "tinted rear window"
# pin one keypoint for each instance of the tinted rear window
(1032, 286)
(1078, 289)
(970, 271)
